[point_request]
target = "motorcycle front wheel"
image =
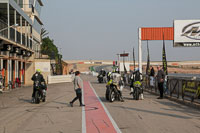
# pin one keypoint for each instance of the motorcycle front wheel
(44, 99)
(37, 99)
(107, 93)
(112, 96)
(136, 94)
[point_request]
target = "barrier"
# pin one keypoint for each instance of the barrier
(180, 87)
(60, 79)
(95, 74)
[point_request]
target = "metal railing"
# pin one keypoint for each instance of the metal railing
(12, 34)
(4, 33)
(18, 37)
(180, 87)
(23, 39)
(3, 25)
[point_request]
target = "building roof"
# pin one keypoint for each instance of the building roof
(40, 1)
(38, 19)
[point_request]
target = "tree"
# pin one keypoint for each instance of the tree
(48, 48)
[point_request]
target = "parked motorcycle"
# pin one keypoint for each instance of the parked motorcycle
(1, 85)
(100, 78)
(113, 91)
(137, 90)
(40, 94)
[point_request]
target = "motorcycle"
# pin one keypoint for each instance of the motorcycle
(101, 78)
(137, 90)
(112, 91)
(1, 84)
(40, 94)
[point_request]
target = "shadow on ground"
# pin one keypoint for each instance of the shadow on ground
(153, 112)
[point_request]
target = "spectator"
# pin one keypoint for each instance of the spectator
(1, 81)
(160, 78)
(152, 72)
(152, 75)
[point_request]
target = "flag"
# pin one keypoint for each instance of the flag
(133, 58)
(148, 60)
(125, 71)
(164, 60)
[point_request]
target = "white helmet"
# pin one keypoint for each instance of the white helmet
(136, 69)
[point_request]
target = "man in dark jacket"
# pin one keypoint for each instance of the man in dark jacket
(36, 77)
(152, 72)
(160, 79)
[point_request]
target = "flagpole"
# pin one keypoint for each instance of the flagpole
(148, 60)
(133, 58)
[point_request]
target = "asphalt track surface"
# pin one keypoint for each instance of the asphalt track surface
(151, 115)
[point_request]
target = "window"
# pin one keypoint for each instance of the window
(16, 1)
(31, 3)
(37, 7)
(21, 3)
(37, 26)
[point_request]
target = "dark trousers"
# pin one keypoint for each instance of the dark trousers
(160, 87)
(78, 96)
(34, 90)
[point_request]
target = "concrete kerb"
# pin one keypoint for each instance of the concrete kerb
(180, 101)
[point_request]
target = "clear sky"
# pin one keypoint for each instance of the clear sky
(99, 29)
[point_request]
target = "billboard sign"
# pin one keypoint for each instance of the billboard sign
(187, 33)
(124, 55)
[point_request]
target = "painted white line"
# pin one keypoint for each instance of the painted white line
(83, 114)
(107, 112)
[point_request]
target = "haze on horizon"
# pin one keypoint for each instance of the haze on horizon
(99, 29)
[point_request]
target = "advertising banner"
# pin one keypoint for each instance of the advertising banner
(187, 33)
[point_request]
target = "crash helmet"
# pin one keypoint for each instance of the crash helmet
(137, 69)
(38, 70)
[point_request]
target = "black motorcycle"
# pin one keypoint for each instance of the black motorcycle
(40, 94)
(100, 78)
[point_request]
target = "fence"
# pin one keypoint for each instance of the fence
(59, 79)
(19, 38)
(180, 87)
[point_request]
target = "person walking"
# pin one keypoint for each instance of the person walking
(160, 78)
(78, 85)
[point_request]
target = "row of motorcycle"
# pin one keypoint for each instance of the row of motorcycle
(115, 85)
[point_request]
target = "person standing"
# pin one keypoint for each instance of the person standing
(78, 85)
(160, 78)
(152, 74)
(1, 82)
